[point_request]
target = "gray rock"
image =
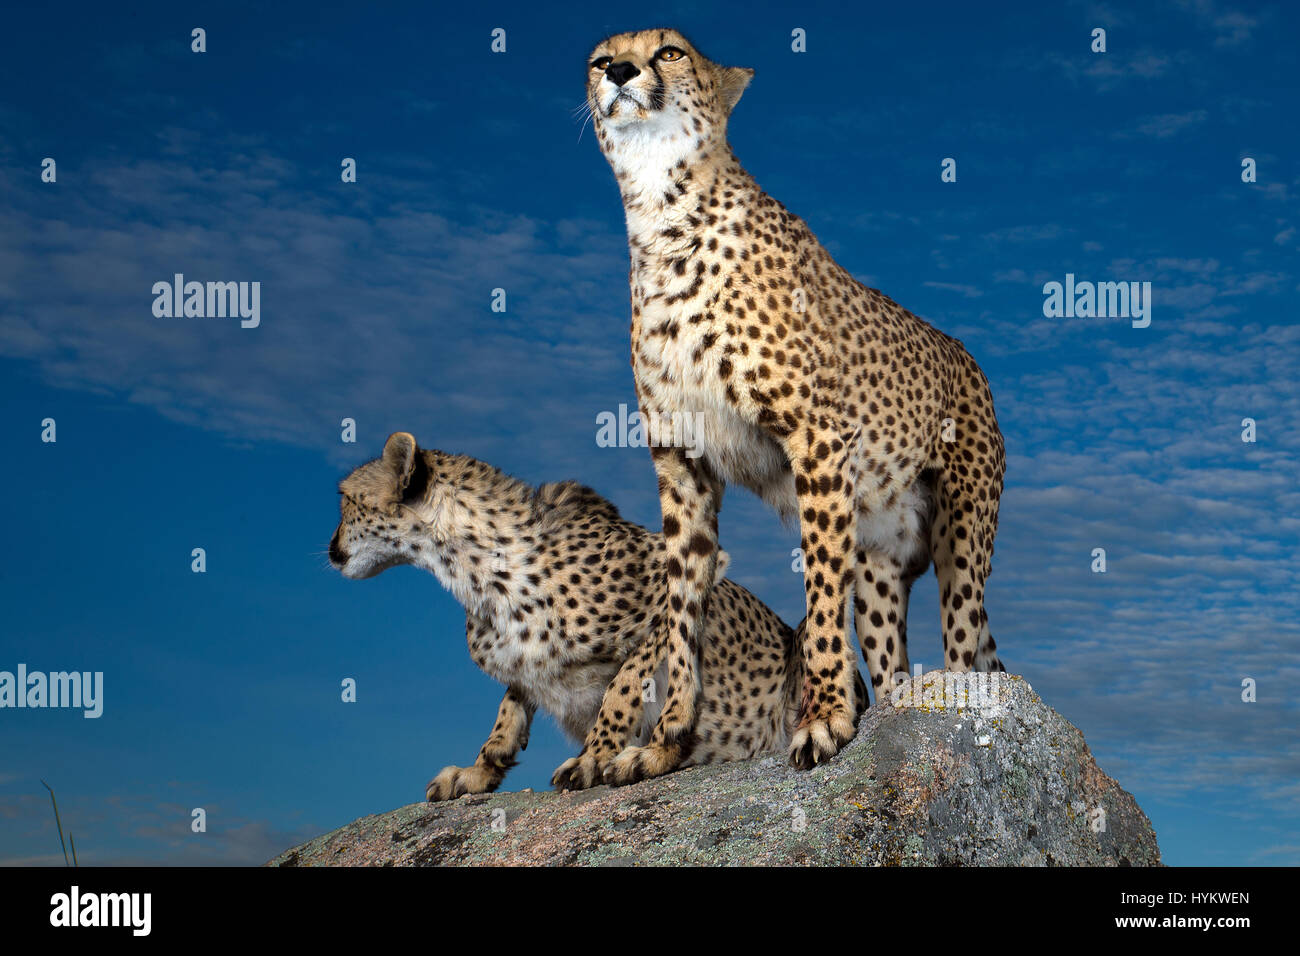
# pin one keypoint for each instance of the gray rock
(957, 771)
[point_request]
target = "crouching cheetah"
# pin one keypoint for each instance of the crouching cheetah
(830, 401)
(564, 602)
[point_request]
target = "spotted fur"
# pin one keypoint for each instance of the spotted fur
(830, 401)
(564, 604)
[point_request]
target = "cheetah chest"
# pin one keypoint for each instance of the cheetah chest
(560, 675)
(684, 389)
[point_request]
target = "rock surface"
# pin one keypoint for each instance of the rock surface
(956, 771)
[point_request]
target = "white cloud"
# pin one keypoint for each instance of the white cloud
(1166, 125)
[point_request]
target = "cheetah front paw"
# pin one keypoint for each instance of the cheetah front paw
(641, 763)
(579, 773)
(819, 739)
(453, 782)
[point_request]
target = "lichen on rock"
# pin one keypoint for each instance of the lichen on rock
(953, 770)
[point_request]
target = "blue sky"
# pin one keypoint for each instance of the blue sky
(473, 174)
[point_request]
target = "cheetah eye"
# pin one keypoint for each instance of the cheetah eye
(600, 62)
(670, 53)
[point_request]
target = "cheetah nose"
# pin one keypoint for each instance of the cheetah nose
(619, 73)
(337, 557)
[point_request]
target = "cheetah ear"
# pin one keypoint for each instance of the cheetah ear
(720, 571)
(732, 81)
(402, 455)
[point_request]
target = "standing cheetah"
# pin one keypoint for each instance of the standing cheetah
(563, 604)
(827, 399)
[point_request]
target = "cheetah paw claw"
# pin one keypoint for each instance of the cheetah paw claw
(453, 782)
(820, 740)
(641, 763)
(578, 773)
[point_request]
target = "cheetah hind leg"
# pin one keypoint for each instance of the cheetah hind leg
(641, 763)
(962, 545)
(654, 759)
(620, 710)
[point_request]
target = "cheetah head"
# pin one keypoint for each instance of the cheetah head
(381, 504)
(654, 85)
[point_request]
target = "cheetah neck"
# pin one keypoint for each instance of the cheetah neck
(479, 545)
(672, 196)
